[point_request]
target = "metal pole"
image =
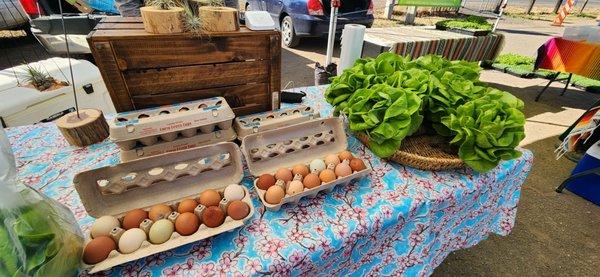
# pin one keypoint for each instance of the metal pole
(62, 19)
(583, 7)
(530, 7)
(502, 6)
(389, 8)
(331, 35)
(557, 6)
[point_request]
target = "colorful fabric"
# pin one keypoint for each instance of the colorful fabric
(577, 57)
(421, 41)
(399, 220)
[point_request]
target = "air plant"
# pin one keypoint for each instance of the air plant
(191, 21)
(39, 79)
(162, 4)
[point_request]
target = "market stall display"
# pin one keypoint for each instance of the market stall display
(300, 160)
(145, 70)
(83, 127)
(472, 25)
(259, 122)
(140, 214)
(416, 218)
(391, 97)
(162, 17)
(419, 41)
(147, 132)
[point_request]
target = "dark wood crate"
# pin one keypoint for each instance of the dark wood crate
(144, 70)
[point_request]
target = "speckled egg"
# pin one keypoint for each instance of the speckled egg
(213, 217)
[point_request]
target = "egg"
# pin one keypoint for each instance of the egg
(345, 155)
(159, 211)
(357, 164)
(187, 206)
(317, 165)
(332, 159)
(103, 225)
(213, 217)
(327, 175)
(265, 181)
(300, 169)
(274, 195)
(294, 187)
(234, 192)
(98, 249)
(133, 218)
(161, 231)
(131, 240)
(284, 174)
(238, 210)
(187, 224)
(343, 169)
(210, 197)
(311, 180)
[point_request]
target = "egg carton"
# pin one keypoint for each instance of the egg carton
(180, 143)
(226, 169)
(268, 151)
(167, 122)
(260, 122)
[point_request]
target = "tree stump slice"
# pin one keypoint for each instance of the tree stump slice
(158, 21)
(218, 19)
(89, 128)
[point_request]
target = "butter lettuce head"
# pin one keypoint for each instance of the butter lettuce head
(487, 129)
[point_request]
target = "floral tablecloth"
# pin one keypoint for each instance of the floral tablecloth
(397, 221)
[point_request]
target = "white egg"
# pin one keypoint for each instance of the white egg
(161, 231)
(317, 166)
(103, 225)
(131, 240)
(234, 192)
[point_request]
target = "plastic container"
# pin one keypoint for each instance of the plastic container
(189, 118)
(141, 184)
(260, 122)
(268, 151)
(177, 144)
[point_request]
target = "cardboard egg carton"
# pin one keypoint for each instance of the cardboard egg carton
(180, 143)
(301, 143)
(207, 167)
(260, 122)
(167, 122)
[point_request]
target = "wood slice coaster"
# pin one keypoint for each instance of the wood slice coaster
(158, 21)
(219, 19)
(89, 128)
(426, 152)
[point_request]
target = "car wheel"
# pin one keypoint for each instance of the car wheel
(288, 34)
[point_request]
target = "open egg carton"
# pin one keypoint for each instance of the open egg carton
(294, 145)
(115, 191)
(180, 143)
(167, 123)
(260, 122)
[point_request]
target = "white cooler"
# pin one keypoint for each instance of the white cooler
(23, 105)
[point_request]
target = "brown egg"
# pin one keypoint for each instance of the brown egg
(97, 250)
(345, 155)
(284, 174)
(210, 197)
(343, 169)
(238, 209)
(274, 195)
(187, 223)
(300, 169)
(159, 211)
(133, 218)
(332, 159)
(187, 206)
(311, 180)
(265, 181)
(357, 164)
(327, 176)
(213, 217)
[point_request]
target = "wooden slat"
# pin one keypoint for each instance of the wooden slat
(120, 19)
(185, 78)
(183, 51)
(275, 67)
(244, 99)
(105, 60)
(137, 34)
(119, 25)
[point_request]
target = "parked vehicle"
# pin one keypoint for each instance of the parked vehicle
(13, 15)
(310, 18)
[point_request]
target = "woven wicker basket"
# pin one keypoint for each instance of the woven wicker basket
(426, 152)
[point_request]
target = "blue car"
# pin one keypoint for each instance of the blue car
(310, 18)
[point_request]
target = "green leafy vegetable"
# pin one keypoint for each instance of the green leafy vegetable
(471, 22)
(487, 129)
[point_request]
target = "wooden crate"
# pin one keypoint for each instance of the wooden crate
(143, 70)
